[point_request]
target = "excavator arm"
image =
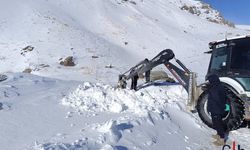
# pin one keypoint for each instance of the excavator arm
(145, 66)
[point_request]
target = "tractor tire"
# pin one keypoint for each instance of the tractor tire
(232, 119)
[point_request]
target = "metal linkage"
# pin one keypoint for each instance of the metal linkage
(144, 66)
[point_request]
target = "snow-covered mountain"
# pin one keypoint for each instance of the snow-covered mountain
(62, 107)
(118, 32)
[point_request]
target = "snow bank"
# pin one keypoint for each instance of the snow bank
(83, 144)
(100, 97)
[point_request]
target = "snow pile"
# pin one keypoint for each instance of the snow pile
(99, 97)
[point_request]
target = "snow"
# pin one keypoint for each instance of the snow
(98, 97)
(36, 117)
(72, 108)
(244, 27)
(60, 28)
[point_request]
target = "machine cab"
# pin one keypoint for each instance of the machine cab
(231, 58)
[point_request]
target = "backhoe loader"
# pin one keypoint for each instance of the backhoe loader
(230, 60)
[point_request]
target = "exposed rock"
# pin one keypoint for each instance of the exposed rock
(184, 7)
(205, 6)
(27, 49)
(44, 65)
(3, 77)
(95, 56)
(68, 61)
(191, 9)
(27, 70)
(133, 2)
(205, 11)
(109, 66)
(213, 20)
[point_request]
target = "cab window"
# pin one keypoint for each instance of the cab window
(219, 59)
(241, 56)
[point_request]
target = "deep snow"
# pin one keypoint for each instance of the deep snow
(34, 116)
(58, 108)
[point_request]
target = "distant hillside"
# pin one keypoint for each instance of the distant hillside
(204, 11)
(36, 36)
(244, 27)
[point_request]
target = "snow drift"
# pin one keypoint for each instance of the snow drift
(99, 97)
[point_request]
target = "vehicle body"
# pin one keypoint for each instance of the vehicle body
(230, 60)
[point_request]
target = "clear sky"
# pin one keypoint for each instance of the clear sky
(237, 11)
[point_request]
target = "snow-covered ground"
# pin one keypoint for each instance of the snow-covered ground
(36, 115)
(67, 108)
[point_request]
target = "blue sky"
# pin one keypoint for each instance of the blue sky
(237, 11)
